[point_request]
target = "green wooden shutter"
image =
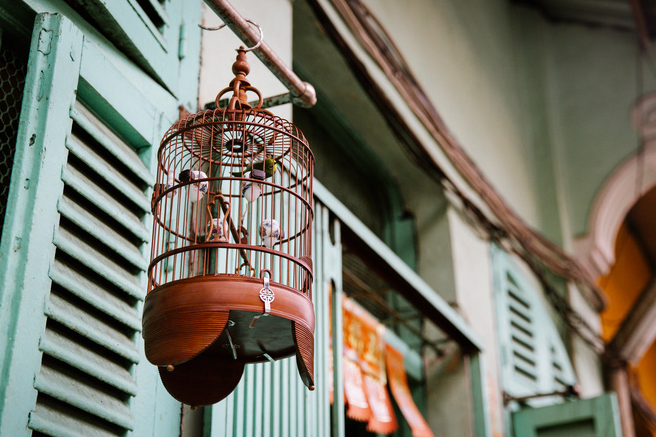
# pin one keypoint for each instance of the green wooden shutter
(595, 417)
(73, 251)
(153, 33)
(533, 357)
(271, 400)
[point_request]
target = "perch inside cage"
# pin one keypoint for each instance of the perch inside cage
(231, 272)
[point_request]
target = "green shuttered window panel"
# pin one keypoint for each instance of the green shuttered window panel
(595, 417)
(76, 239)
(533, 357)
(151, 32)
(535, 361)
(93, 316)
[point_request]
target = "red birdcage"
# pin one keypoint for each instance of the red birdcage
(230, 281)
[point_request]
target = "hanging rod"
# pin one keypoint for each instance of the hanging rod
(302, 93)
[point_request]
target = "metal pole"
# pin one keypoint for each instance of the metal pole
(302, 93)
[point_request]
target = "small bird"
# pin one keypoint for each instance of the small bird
(269, 166)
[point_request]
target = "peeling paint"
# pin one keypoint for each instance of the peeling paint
(18, 242)
(45, 40)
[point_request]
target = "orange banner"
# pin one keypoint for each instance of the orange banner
(399, 386)
(354, 392)
(365, 363)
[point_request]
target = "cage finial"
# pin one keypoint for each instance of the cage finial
(240, 85)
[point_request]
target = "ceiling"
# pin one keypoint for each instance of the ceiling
(617, 13)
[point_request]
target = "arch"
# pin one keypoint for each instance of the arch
(631, 179)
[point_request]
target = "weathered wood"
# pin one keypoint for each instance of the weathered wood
(35, 188)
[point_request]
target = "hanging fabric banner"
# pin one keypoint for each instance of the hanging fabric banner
(371, 361)
(399, 386)
(354, 391)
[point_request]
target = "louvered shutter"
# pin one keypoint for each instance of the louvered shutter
(75, 274)
(151, 32)
(533, 357)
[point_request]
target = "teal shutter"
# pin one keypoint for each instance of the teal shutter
(533, 357)
(271, 400)
(74, 249)
(595, 417)
(153, 33)
(535, 361)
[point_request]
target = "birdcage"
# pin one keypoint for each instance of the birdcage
(230, 281)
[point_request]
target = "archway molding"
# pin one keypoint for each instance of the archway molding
(630, 180)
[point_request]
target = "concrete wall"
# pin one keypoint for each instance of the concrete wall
(462, 52)
(593, 83)
(542, 107)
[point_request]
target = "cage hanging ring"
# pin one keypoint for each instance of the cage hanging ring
(264, 271)
(257, 44)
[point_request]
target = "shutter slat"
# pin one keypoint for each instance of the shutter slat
(525, 372)
(523, 332)
(114, 145)
(50, 421)
(98, 262)
(523, 342)
(88, 361)
(525, 359)
(91, 327)
(159, 10)
(90, 399)
(109, 206)
(103, 233)
(518, 323)
(519, 313)
(94, 295)
(516, 295)
(104, 170)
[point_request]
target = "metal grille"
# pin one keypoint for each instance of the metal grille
(12, 82)
(369, 289)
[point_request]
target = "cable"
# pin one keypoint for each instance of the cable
(538, 252)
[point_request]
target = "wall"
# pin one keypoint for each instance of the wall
(473, 285)
(594, 86)
(218, 50)
(462, 52)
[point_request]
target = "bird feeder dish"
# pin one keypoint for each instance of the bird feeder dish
(230, 281)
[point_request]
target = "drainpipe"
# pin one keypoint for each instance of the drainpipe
(619, 383)
(302, 93)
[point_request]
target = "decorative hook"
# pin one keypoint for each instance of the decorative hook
(259, 41)
(212, 28)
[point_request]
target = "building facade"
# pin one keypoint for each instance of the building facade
(484, 189)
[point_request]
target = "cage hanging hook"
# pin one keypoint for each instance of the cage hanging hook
(257, 44)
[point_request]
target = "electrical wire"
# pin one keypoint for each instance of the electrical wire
(510, 232)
